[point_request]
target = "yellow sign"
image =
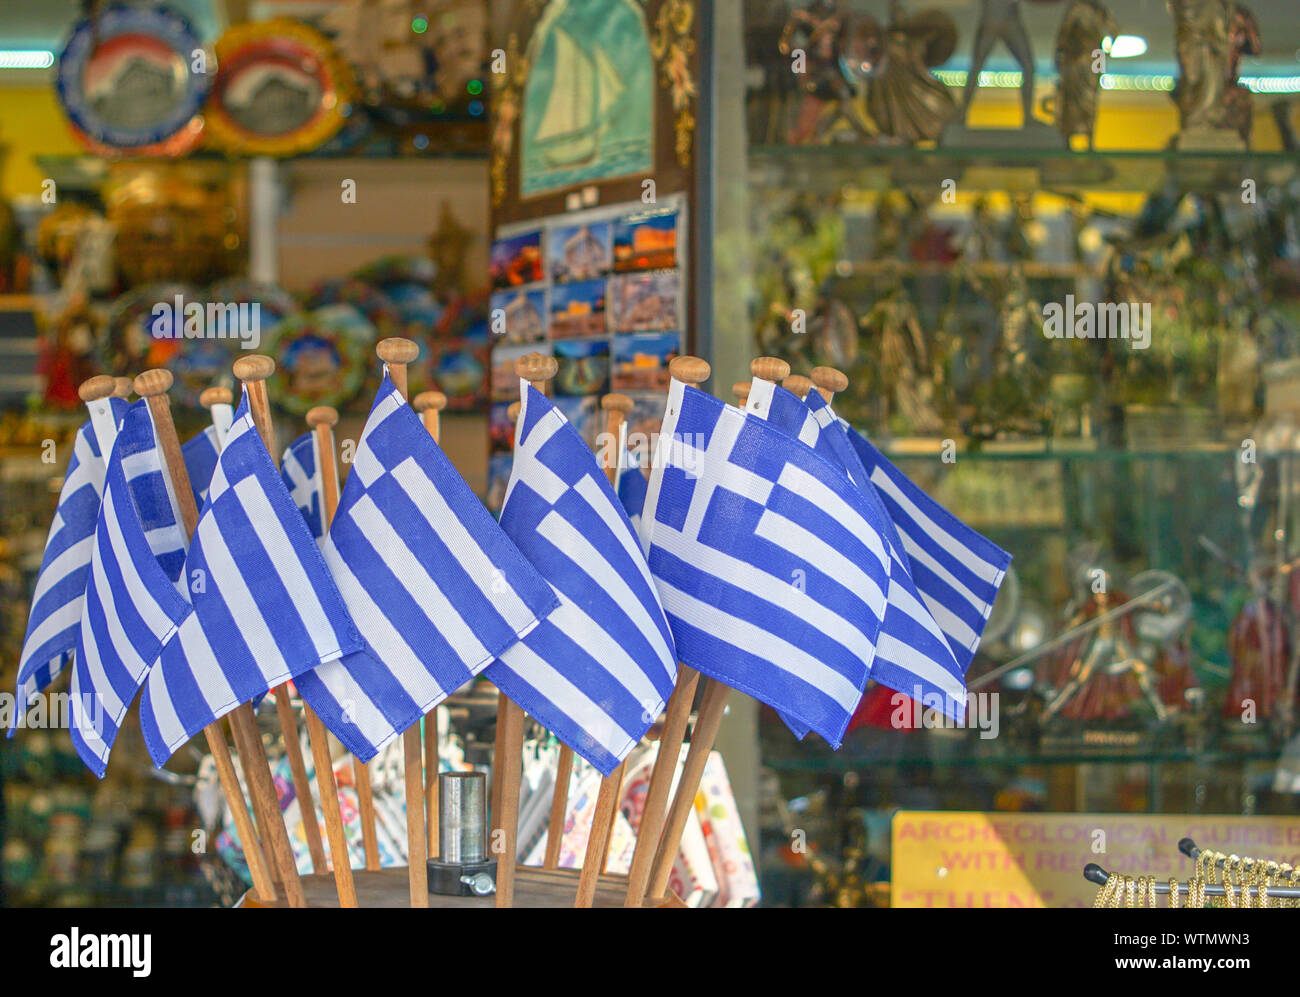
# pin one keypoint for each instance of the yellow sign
(943, 859)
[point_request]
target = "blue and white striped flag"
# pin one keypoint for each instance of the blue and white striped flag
(438, 590)
(201, 453)
(918, 655)
(597, 671)
(132, 605)
(57, 599)
(913, 656)
(770, 564)
(265, 607)
(957, 571)
(300, 469)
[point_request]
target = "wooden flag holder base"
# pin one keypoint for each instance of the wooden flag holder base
(534, 887)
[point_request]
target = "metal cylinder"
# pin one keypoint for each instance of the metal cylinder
(462, 817)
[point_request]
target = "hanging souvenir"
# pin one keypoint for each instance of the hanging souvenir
(322, 358)
(281, 89)
(133, 80)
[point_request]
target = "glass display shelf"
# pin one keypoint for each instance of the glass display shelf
(961, 752)
(882, 167)
(901, 450)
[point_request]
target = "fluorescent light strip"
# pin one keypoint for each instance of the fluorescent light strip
(24, 58)
(1123, 81)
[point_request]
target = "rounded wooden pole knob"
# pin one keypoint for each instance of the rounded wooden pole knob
(689, 370)
(617, 403)
(322, 415)
(121, 387)
(94, 388)
(435, 400)
(798, 385)
(257, 367)
(397, 349)
(216, 396)
(512, 413)
(536, 367)
(153, 382)
(829, 380)
(741, 390)
(770, 369)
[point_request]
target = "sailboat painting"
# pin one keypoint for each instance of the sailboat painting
(588, 107)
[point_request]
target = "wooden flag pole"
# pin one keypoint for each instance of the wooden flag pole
(217, 400)
(712, 709)
(322, 420)
(253, 372)
(121, 388)
(396, 353)
(256, 372)
(616, 407)
(798, 385)
(536, 369)
(430, 405)
(693, 371)
(559, 807)
(152, 385)
(741, 390)
(829, 381)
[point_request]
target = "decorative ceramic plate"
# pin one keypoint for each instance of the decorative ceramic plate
(128, 82)
(281, 89)
(321, 358)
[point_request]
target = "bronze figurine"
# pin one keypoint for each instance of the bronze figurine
(1000, 21)
(905, 99)
(1078, 40)
(1210, 37)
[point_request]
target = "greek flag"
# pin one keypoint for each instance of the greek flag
(300, 469)
(957, 571)
(57, 599)
(916, 652)
(264, 606)
(597, 671)
(201, 453)
(132, 605)
(769, 562)
(437, 589)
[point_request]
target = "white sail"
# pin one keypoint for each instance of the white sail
(611, 87)
(570, 107)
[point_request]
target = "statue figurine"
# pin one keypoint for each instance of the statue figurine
(902, 363)
(906, 100)
(839, 51)
(1085, 24)
(1243, 39)
(1000, 21)
(1210, 37)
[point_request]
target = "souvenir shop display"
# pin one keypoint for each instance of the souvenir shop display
(281, 89)
(132, 79)
(650, 454)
